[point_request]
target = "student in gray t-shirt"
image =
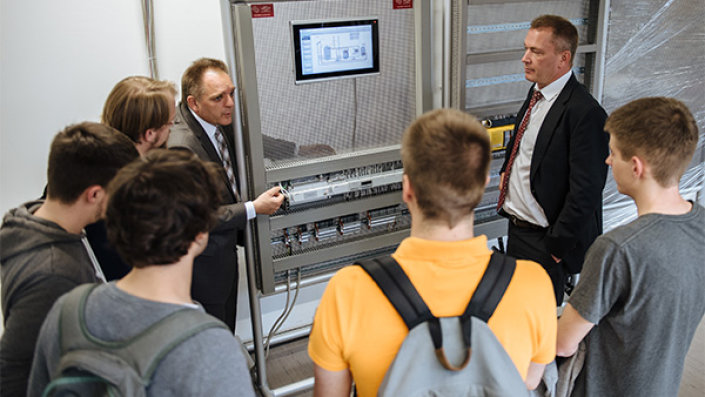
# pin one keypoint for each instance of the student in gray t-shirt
(159, 212)
(641, 296)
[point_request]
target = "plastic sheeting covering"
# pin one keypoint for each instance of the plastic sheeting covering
(656, 48)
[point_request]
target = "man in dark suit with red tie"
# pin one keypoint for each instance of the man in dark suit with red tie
(554, 171)
(203, 125)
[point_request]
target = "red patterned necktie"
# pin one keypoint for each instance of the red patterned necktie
(225, 157)
(515, 149)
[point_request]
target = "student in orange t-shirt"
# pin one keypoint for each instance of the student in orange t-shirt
(357, 332)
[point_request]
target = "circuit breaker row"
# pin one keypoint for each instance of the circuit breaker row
(330, 232)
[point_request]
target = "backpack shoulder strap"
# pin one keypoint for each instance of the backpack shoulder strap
(146, 350)
(143, 351)
(71, 319)
(492, 286)
(397, 287)
(489, 292)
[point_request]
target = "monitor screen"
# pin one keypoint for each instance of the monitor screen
(335, 49)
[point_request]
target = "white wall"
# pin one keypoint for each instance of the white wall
(59, 60)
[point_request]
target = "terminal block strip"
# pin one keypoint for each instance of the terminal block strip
(344, 185)
(329, 232)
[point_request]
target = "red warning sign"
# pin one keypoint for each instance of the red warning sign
(263, 10)
(402, 4)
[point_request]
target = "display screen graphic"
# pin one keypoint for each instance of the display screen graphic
(335, 49)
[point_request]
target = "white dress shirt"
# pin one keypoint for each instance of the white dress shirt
(519, 201)
(210, 130)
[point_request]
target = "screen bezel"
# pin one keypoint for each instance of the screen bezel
(297, 26)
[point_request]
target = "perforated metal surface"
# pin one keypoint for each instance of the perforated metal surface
(346, 114)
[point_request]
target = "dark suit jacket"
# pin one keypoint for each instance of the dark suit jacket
(215, 270)
(568, 171)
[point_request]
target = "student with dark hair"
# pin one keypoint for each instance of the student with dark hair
(357, 332)
(44, 251)
(641, 296)
(159, 214)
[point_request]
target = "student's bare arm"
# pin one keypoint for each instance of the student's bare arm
(572, 328)
(331, 383)
(534, 375)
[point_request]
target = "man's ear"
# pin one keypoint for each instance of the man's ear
(487, 180)
(192, 103)
(94, 194)
(407, 193)
(202, 238)
(199, 244)
(638, 167)
(149, 136)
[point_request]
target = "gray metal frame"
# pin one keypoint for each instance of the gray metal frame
(233, 21)
(598, 82)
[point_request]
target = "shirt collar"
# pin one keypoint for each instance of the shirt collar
(444, 252)
(552, 90)
(207, 127)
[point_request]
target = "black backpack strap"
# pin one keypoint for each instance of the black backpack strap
(397, 287)
(489, 292)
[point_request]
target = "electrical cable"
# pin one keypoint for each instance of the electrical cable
(287, 308)
(293, 302)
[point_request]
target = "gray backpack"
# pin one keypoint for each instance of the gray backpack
(90, 366)
(451, 356)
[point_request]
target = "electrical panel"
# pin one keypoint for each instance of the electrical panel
(325, 211)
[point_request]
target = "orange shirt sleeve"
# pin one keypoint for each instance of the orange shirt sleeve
(325, 345)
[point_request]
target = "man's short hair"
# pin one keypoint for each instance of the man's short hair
(192, 80)
(446, 155)
(660, 130)
(159, 204)
(138, 103)
(84, 155)
(565, 35)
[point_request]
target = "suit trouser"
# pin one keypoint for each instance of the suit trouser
(225, 312)
(216, 288)
(529, 243)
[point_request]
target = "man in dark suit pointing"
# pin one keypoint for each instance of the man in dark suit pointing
(553, 175)
(203, 125)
